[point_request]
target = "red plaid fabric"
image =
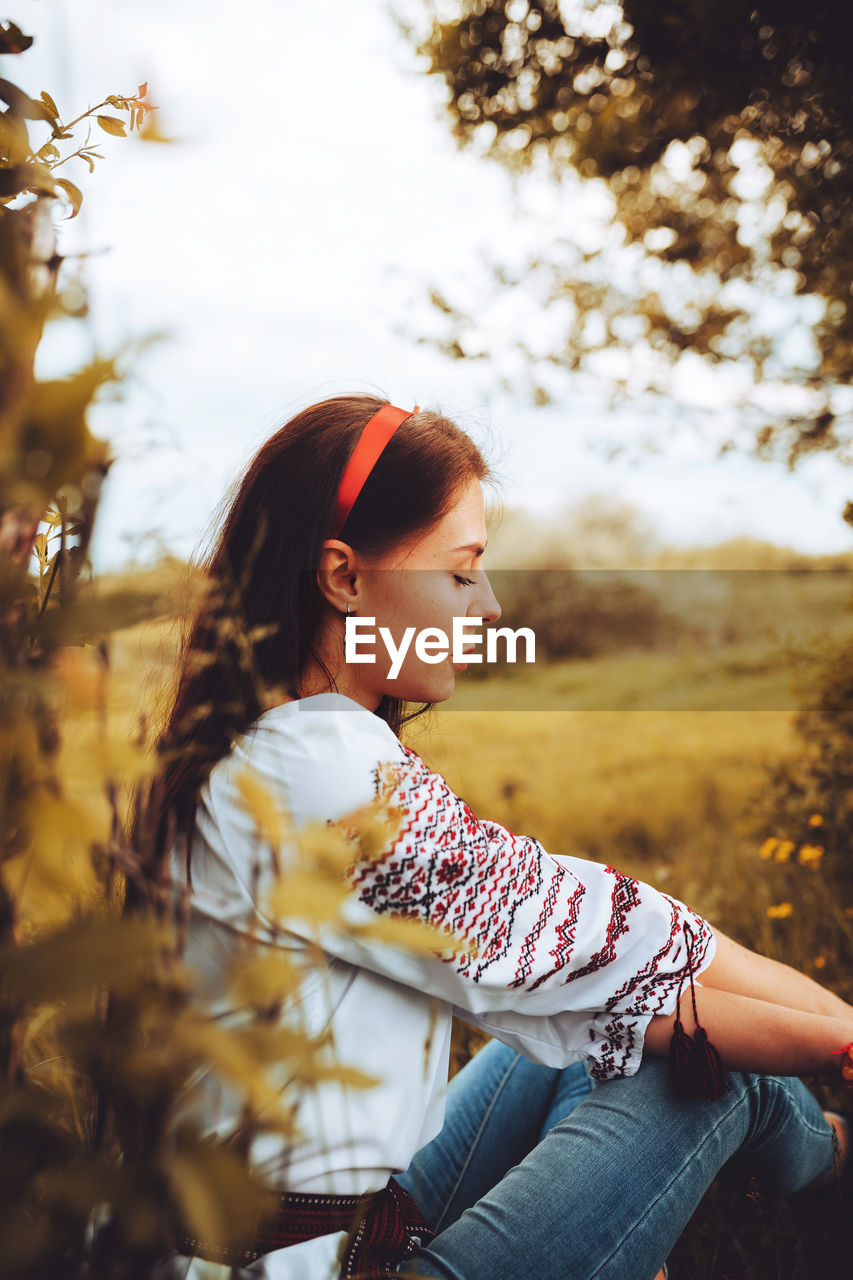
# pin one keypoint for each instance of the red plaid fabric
(385, 1228)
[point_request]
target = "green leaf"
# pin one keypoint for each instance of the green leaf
(111, 125)
(75, 195)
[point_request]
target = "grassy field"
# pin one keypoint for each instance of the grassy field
(671, 795)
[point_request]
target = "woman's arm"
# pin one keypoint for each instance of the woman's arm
(742, 972)
(762, 1015)
(757, 1035)
(572, 957)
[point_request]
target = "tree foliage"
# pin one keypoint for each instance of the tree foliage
(723, 135)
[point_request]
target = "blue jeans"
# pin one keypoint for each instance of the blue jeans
(540, 1174)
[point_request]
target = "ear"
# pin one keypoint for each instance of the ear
(337, 576)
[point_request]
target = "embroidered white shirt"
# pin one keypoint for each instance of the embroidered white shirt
(561, 958)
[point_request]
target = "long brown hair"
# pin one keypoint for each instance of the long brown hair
(258, 624)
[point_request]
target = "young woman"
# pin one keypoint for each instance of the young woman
(563, 1149)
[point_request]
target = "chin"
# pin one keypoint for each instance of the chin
(437, 689)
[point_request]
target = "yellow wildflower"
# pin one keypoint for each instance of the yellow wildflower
(781, 911)
(786, 848)
(769, 847)
(816, 820)
(810, 855)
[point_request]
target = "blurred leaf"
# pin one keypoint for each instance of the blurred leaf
(110, 124)
(219, 1200)
(48, 152)
(29, 1136)
(12, 39)
(305, 897)
(83, 1183)
(54, 425)
(416, 936)
(264, 979)
(15, 147)
(76, 960)
(14, 179)
(271, 823)
(151, 131)
(75, 195)
(21, 104)
(348, 1076)
(50, 104)
(89, 618)
(327, 847)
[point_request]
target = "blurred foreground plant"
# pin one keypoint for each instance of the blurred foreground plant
(103, 1038)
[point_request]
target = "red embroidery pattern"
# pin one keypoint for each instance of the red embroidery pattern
(517, 910)
(624, 897)
(613, 1053)
(474, 882)
(649, 991)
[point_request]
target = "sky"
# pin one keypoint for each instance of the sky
(285, 245)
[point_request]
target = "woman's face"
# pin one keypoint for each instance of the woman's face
(425, 582)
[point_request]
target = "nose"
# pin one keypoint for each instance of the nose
(487, 602)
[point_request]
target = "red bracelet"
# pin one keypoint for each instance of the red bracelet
(846, 1048)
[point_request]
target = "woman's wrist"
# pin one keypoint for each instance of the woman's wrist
(844, 1056)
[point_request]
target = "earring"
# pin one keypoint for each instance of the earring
(347, 613)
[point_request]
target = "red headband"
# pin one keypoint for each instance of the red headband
(371, 442)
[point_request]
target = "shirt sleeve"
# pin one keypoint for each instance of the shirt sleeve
(560, 957)
(557, 955)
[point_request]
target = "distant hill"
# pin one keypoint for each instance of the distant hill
(607, 533)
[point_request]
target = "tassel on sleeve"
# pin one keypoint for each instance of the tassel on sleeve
(695, 1066)
(710, 1077)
